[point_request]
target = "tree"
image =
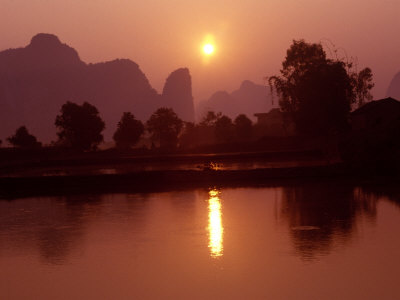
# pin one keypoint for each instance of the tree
(210, 119)
(164, 126)
(190, 135)
(128, 131)
(80, 126)
(243, 127)
(318, 92)
(23, 139)
(224, 129)
(363, 84)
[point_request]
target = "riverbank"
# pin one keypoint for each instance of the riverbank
(165, 180)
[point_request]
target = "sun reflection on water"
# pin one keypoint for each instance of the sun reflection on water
(215, 228)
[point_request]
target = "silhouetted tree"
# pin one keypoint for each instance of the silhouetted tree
(189, 136)
(128, 131)
(23, 139)
(80, 126)
(206, 127)
(164, 126)
(362, 83)
(224, 129)
(243, 127)
(318, 92)
(210, 119)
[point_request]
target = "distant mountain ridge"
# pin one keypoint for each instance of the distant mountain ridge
(394, 87)
(249, 99)
(36, 80)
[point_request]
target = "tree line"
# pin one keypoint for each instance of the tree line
(80, 127)
(319, 92)
(316, 92)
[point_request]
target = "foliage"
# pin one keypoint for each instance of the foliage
(243, 127)
(164, 126)
(128, 131)
(80, 126)
(189, 136)
(362, 83)
(216, 128)
(210, 119)
(318, 92)
(23, 139)
(224, 129)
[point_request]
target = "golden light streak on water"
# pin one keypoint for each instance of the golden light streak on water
(215, 228)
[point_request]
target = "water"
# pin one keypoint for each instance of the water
(199, 162)
(306, 241)
(160, 166)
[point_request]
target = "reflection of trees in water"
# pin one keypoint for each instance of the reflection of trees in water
(63, 228)
(54, 225)
(389, 192)
(57, 226)
(323, 215)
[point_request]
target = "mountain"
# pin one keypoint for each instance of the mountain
(394, 87)
(177, 93)
(249, 99)
(35, 81)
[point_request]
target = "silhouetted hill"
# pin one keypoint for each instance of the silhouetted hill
(37, 79)
(250, 98)
(44, 52)
(394, 87)
(177, 93)
(118, 86)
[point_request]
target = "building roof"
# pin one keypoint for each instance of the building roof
(373, 105)
(273, 111)
(260, 114)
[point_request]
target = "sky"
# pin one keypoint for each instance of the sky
(250, 37)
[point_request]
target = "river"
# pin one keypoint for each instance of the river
(326, 240)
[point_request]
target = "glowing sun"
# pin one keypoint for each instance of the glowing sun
(208, 49)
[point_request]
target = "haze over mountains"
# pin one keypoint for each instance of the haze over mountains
(35, 81)
(394, 87)
(249, 99)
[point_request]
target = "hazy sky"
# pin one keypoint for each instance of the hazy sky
(251, 37)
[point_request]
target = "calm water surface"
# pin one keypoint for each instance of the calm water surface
(309, 241)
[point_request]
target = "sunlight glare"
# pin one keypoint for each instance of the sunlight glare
(215, 227)
(208, 49)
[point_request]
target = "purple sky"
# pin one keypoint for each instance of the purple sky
(251, 37)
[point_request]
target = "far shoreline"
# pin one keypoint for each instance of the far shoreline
(169, 180)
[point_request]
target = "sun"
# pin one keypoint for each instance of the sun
(208, 49)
